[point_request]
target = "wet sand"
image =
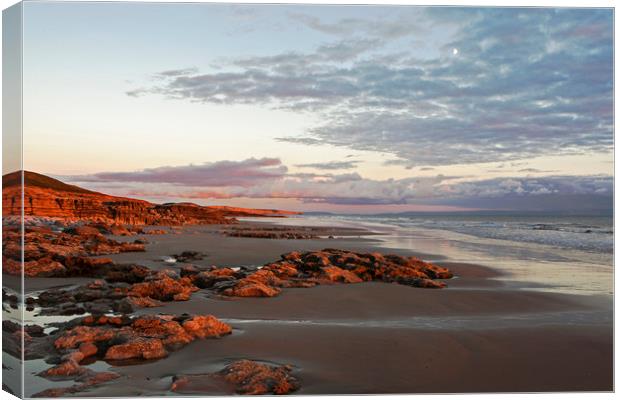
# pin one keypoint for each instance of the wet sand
(476, 335)
(354, 360)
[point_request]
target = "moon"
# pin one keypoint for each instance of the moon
(455, 51)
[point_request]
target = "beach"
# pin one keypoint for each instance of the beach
(481, 333)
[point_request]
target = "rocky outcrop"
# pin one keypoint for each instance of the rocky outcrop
(329, 266)
(165, 285)
(121, 338)
(52, 253)
(246, 377)
(48, 197)
(124, 288)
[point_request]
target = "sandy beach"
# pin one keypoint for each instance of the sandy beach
(478, 334)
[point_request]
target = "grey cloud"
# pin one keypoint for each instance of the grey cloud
(178, 72)
(330, 165)
(535, 170)
(335, 52)
(267, 178)
(217, 174)
(408, 22)
(525, 82)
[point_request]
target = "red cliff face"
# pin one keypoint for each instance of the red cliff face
(48, 197)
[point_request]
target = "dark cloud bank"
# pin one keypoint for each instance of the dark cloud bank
(268, 178)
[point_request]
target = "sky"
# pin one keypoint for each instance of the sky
(355, 109)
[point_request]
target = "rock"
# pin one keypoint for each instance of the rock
(252, 289)
(329, 266)
(336, 274)
(189, 270)
(67, 368)
(123, 338)
(204, 326)
(83, 230)
(34, 330)
(59, 254)
(165, 289)
(141, 348)
(205, 280)
(246, 377)
(83, 334)
(88, 349)
(128, 273)
(189, 256)
(253, 378)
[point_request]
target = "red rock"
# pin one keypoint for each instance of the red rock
(81, 334)
(141, 348)
(336, 274)
(88, 349)
(336, 266)
(204, 326)
(165, 289)
(67, 368)
(253, 378)
(84, 230)
(143, 302)
(42, 267)
(252, 289)
(169, 331)
(60, 254)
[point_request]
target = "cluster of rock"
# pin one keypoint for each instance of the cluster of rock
(329, 266)
(126, 287)
(52, 253)
(121, 338)
(246, 376)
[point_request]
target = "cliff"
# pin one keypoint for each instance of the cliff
(49, 197)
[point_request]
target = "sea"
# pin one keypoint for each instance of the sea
(570, 254)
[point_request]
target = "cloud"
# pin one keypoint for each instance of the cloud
(331, 165)
(535, 170)
(525, 82)
(409, 22)
(216, 174)
(178, 72)
(267, 178)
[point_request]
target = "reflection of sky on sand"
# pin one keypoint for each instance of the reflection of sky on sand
(473, 322)
(527, 265)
